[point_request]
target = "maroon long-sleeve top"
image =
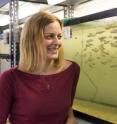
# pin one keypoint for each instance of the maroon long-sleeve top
(37, 99)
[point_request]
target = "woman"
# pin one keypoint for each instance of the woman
(40, 90)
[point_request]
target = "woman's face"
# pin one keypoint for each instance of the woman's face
(52, 39)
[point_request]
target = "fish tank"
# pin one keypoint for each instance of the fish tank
(93, 45)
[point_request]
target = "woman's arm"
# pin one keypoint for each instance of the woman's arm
(71, 118)
(5, 97)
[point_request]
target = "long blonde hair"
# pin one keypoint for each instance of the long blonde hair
(32, 50)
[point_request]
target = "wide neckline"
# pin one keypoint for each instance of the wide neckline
(22, 73)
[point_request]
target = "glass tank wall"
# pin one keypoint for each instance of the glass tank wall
(94, 46)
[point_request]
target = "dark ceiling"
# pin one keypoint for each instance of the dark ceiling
(3, 2)
(65, 3)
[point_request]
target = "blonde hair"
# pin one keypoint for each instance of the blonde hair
(32, 50)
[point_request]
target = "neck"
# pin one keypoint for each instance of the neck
(48, 66)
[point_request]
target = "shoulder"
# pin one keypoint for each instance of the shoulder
(6, 75)
(6, 84)
(7, 80)
(68, 63)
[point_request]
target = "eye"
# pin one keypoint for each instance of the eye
(59, 37)
(52, 36)
(49, 36)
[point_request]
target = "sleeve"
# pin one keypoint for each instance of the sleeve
(5, 97)
(76, 78)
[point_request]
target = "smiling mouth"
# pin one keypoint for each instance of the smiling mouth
(53, 48)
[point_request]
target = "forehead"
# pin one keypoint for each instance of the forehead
(53, 27)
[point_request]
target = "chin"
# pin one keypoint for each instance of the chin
(53, 57)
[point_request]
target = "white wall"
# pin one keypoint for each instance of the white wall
(94, 6)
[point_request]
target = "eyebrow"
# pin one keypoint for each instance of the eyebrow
(52, 33)
(48, 33)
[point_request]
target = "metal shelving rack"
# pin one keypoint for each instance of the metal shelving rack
(68, 11)
(13, 27)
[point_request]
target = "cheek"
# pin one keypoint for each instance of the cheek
(61, 42)
(47, 42)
